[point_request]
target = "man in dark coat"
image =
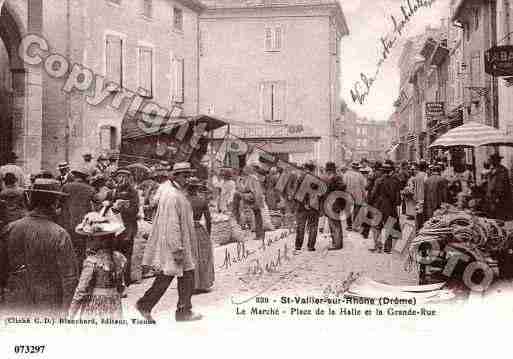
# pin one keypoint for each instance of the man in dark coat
(371, 181)
(436, 192)
(306, 217)
(335, 183)
(37, 263)
(126, 200)
(499, 190)
(385, 197)
(78, 203)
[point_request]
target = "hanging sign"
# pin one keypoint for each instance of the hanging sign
(434, 109)
(499, 60)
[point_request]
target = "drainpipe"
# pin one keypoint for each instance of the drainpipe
(68, 95)
(494, 98)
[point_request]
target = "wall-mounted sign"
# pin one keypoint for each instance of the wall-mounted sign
(434, 109)
(499, 60)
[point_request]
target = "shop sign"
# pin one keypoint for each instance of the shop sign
(499, 60)
(434, 109)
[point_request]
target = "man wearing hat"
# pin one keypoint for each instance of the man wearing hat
(385, 197)
(64, 172)
(88, 164)
(436, 191)
(37, 261)
(356, 184)
(306, 217)
(498, 189)
(102, 164)
(78, 203)
(169, 249)
(335, 183)
(12, 167)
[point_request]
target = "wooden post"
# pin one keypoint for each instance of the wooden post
(474, 164)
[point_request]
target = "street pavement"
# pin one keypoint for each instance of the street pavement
(274, 270)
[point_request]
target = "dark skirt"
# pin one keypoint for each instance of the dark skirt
(203, 255)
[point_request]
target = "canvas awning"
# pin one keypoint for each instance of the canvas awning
(473, 134)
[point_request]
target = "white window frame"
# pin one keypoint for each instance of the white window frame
(147, 45)
(273, 29)
(283, 110)
(143, 9)
(173, 79)
(123, 38)
(174, 7)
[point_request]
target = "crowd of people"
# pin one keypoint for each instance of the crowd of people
(67, 239)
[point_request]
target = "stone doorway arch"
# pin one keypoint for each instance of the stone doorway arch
(21, 91)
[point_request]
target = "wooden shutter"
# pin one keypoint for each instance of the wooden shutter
(146, 70)
(268, 39)
(114, 59)
(178, 79)
(277, 38)
(278, 101)
(266, 98)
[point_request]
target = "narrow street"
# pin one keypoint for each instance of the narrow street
(276, 271)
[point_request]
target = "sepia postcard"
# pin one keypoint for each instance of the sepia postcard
(255, 177)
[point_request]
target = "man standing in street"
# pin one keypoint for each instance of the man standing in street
(499, 190)
(436, 192)
(253, 196)
(37, 261)
(418, 183)
(126, 201)
(306, 217)
(88, 164)
(64, 175)
(169, 247)
(385, 197)
(356, 184)
(335, 183)
(78, 203)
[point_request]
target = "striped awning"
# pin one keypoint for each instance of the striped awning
(473, 134)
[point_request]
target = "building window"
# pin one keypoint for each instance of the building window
(202, 42)
(117, 2)
(108, 138)
(475, 15)
(178, 18)
(475, 69)
(273, 38)
(466, 30)
(272, 101)
(114, 59)
(148, 8)
(146, 72)
(177, 85)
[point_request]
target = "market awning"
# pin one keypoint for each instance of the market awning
(473, 134)
(133, 128)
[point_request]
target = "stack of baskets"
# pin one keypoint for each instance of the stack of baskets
(221, 229)
(276, 218)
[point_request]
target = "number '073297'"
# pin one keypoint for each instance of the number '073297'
(29, 349)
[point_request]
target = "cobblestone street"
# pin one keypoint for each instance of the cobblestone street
(284, 273)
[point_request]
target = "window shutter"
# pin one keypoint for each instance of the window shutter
(114, 59)
(178, 79)
(268, 39)
(202, 42)
(266, 97)
(277, 38)
(145, 70)
(279, 102)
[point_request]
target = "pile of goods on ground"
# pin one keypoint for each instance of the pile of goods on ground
(452, 229)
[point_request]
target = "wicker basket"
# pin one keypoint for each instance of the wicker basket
(276, 219)
(221, 232)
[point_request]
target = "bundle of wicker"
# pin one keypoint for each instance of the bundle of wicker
(221, 229)
(276, 218)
